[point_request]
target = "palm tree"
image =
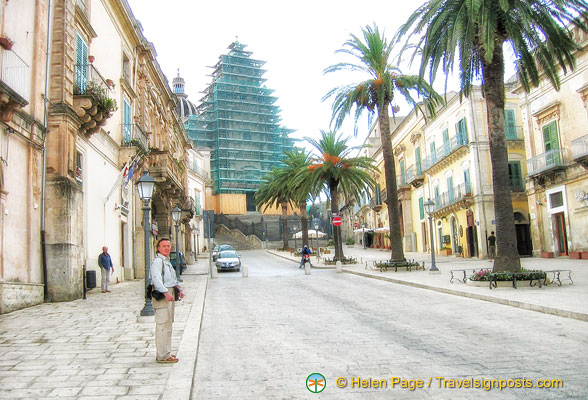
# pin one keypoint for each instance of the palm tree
(474, 32)
(274, 191)
(341, 173)
(301, 191)
(376, 95)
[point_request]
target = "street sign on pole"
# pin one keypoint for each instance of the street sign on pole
(336, 220)
(208, 219)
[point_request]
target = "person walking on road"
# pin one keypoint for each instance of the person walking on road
(105, 263)
(491, 247)
(164, 281)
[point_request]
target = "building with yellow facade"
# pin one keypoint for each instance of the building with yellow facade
(554, 125)
(447, 159)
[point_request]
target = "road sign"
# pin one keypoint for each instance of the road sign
(355, 225)
(336, 220)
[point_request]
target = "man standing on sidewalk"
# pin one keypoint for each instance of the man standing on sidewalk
(164, 281)
(491, 246)
(105, 264)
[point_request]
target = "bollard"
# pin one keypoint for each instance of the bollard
(338, 266)
(213, 271)
(244, 271)
(306, 268)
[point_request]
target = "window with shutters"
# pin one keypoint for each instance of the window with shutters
(515, 177)
(127, 128)
(81, 67)
(511, 126)
(551, 141)
(417, 157)
(462, 131)
(421, 208)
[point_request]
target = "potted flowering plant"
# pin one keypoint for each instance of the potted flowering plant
(6, 42)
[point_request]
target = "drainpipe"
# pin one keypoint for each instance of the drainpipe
(44, 167)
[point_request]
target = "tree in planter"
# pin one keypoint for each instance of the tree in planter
(474, 33)
(340, 173)
(375, 95)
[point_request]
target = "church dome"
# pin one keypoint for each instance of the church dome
(185, 106)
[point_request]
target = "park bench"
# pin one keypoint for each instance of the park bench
(556, 275)
(456, 274)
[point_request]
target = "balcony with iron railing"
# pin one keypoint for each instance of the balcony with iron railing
(199, 171)
(133, 135)
(15, 75)
(517, 185)
(414, 175)
(92, 100)
(442, 153)
(453, 197)
(580, 150)
(515, 133)
(551, 160)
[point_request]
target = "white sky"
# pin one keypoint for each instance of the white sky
(296, 39)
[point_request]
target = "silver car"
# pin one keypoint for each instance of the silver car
(228, 260)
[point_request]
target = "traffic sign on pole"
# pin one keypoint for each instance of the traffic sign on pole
(336, 220)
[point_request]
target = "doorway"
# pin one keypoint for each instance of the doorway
(424, 233)
(561, 236)
(250, 198)
(471, 238)
(454, 236)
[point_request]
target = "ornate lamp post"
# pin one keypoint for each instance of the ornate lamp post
(197, 242)
(430, 208)
(295, 242)
(176, 213)
(145, 187)
(316, 228)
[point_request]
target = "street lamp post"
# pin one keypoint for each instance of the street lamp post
(295, 241)
(430, 208)
(197, 242)
(145, 187)
(316, 228)
(363, 234)
(176, 213)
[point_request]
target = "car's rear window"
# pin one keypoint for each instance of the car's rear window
(227, 254)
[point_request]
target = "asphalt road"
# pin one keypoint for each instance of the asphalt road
(262, 337)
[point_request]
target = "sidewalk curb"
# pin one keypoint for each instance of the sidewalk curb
(181, 377)
(519, 304)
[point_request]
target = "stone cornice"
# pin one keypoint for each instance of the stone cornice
(547, 113)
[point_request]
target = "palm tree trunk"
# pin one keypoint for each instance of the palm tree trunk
(507, 256)
(390, 176)
(304, 222)
(336, 229)
(285, 225)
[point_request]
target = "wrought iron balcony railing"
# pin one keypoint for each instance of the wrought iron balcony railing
(552, 159)
(515, 134)
(89, 81)
(203, 173)
(133, 135)
(15, 73)
(413, 172)
(580, 148)
(516, 184)
(446, 149)
(453, 195)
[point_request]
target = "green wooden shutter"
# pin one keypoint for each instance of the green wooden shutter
(511, 127)
(433, 153)
(437, 199)
(450, 189)
(515, 176)
(462, 131)
(466, 179)
(126, 121)
(402, 172)
(417, 157)
(81, 65)
(421, 208)
(550, 136)
(446, 142)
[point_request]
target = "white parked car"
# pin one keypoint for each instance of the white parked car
(228, 260)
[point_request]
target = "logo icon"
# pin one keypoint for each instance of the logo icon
(316, 383)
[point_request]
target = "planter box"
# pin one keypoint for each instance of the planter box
(575, 255)
(445, 252)
(506, 284)
(584, 255)
(546, 254)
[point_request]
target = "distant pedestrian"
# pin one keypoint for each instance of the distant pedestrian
(305, 251)
(105, 263)
(164, 281)
(491, 247)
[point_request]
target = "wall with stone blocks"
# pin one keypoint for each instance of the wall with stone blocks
(14, 296)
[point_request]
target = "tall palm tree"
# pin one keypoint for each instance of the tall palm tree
(274, 191)
(474, 32)
(375, 95)
(295, 162)
(340, 172)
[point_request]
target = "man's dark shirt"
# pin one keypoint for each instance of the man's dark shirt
(492, 240)
(104, 260)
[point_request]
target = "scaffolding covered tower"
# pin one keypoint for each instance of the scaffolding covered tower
(239, 121)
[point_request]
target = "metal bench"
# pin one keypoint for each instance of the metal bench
(513, 277)
(455, 272)
(556, 275)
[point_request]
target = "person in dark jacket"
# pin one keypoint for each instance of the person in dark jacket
(491, 247)
(105, 263)
(305, 251)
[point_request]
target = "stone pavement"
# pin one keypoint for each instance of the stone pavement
(567, 300)
(98, 348)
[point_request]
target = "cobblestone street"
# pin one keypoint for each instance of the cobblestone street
(262, 336)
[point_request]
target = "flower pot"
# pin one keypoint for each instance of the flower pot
(6, 43)
(575, 255)
(91, 59)
(584, 255)
(546, 254)
(445, 252)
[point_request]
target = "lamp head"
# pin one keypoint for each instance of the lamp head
(145, 186)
